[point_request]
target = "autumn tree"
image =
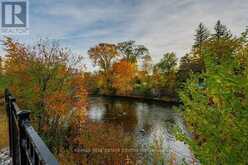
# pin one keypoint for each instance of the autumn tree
(103, 55)
(43, 79)
(123, 76)
(131, 51)
(2, 77)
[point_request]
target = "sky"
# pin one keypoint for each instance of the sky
(161, 25)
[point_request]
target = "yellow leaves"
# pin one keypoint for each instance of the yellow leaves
(62, 70)
(103, 48)
(80, 93)
(61, 103)
(57, 104)
(103, 54)
(77, 120)
(65, 157)
(42, 80)
(16, 57)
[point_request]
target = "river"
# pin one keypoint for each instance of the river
(146, 121)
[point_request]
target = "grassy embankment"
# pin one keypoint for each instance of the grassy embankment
(3, 119)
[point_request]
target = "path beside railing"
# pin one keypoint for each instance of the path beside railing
(5, 159)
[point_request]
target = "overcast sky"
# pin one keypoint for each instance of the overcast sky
(161, 25)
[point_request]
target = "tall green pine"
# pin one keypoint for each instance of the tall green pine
(201, 35)
(221, 31)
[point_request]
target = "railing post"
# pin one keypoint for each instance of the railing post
(23, 118)
(14, 132)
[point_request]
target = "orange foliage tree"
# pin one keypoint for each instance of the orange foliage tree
(123, 77)
(44, 80)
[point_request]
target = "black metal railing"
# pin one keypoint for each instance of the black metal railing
(25, 145)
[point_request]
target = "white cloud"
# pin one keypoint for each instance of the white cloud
(161, 25)
(169, 25)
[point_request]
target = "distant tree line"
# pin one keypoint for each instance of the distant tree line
(127, 69)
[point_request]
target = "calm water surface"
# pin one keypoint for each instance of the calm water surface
(146, 120)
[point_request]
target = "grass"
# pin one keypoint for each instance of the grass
(3, 129)
(3, 126)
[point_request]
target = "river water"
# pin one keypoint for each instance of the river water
(146, 121)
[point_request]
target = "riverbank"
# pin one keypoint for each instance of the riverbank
(162, 99)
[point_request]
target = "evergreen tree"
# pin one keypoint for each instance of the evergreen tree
(201, 35)
(201, 38)
(221, 31)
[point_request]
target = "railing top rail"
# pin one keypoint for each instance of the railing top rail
(40, 147)
(44, 154)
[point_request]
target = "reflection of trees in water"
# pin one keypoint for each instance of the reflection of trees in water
(133, 124)
(101, 143)
(121, 113)
(143, 123)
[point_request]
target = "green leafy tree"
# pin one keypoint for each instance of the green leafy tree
(164, 76)
(131, 51)
(186, 67)
(222, 43)
(215, 109)
(167, 63)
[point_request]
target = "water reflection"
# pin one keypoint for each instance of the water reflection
(147, 121)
